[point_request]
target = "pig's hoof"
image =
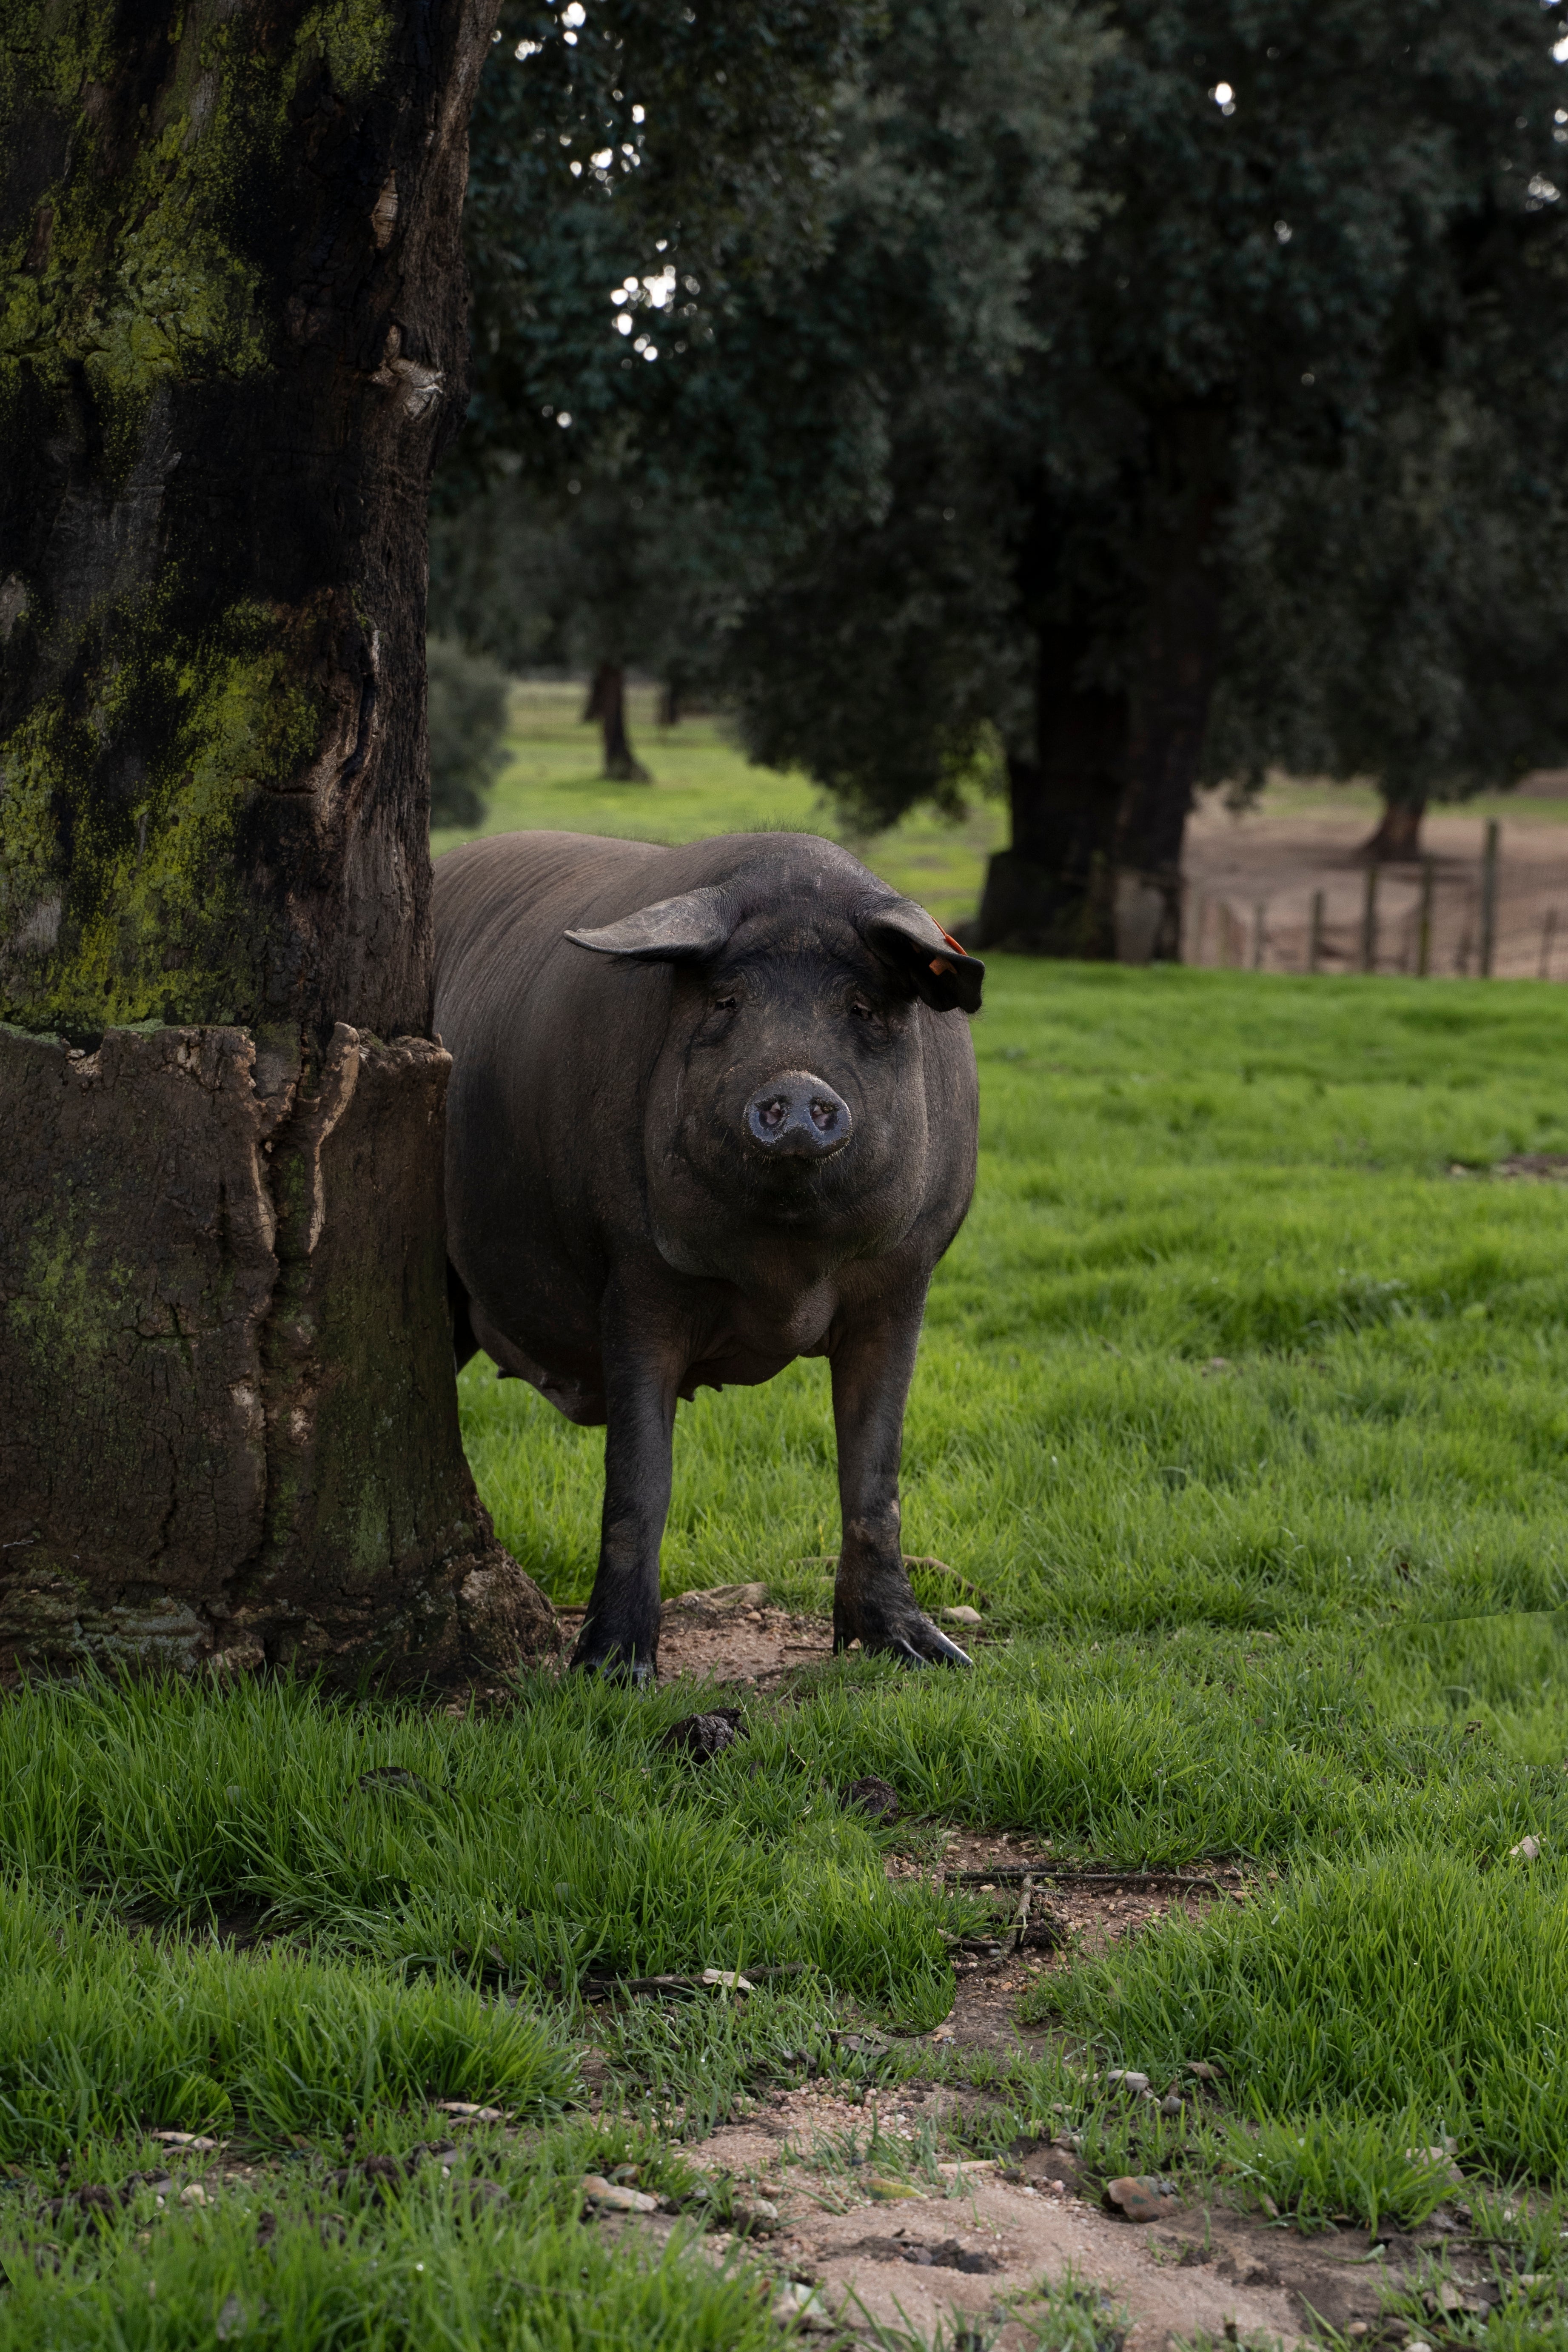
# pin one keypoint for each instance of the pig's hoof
(614, 1664)
(914, 1641)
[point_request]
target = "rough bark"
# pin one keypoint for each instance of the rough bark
(622, 765)
(233, 334)
(1099, 813)
(1396, 840)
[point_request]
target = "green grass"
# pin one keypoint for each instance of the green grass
(1306, 1606)
(702, 783)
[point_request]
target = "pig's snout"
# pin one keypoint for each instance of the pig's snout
(797, 1117)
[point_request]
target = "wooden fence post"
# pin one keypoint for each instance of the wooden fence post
(1369, 923)
(1489, 898)
(1424, 922)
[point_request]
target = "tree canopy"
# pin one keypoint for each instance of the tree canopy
(1154, 390)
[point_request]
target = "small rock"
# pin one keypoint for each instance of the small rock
(797, 2305)
(193, 2140)
(192, 2193)
(888, 2192)
(1527, 1850)
(872, 1795)
(961, 1614)
(1141, 2196)
(1169, 2104)
(720, 1601)
(940, 2033)
(469, 2114)
(702, 1736)
(1207, 2070)
(614, 2198)
(726, 1980)
(1126, 2078)
(1416, 2343)
(755, 2217)
(232, 2320)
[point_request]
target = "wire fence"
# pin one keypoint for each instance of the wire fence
(1487, 918)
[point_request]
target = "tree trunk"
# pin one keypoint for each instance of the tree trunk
(1173, 681)
(622, 765)
(1397, 838)
(1098, 816)
(1051, 893)
(227, 1416)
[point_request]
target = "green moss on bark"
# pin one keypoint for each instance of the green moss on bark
(133, 266)
(138, 908)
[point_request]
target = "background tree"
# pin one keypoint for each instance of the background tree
(1292, 233)
(233, 337)
(1402, 616)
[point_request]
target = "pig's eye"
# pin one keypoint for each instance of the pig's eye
(722, 1004)
(860, 1009)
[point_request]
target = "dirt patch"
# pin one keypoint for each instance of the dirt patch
(733, 1636)
(982, 2245)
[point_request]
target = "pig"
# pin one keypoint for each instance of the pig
(712, 1108)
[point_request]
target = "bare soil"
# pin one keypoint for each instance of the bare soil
(1235, 864)
(982, 2246)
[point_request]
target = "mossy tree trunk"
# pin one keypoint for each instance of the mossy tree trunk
(232, 337)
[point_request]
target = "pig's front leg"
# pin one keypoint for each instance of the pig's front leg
(873, 1601)
(620, 1631)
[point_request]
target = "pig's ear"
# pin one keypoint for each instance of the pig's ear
(923, 954)
(677, 930)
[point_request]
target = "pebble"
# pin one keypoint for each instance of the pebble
(1527, 1850)
(961, 1614)
(1127, 2079)
(1169, 2104)
(799, 2305)
(1141, 2196)
(727, 1980)
(192, 2193)
(614, 2198)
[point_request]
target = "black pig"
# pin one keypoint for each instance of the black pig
(713, 1109)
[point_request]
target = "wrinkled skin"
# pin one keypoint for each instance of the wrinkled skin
(712, 1108)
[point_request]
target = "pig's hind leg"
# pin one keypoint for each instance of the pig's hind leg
(873, 1600)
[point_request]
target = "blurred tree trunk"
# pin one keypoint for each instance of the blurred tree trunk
(622, 765)
(228, 1415)
(1396, 840)
(1052, 892)
(1098, 816)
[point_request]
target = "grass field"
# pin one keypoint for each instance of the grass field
(1247, 1413)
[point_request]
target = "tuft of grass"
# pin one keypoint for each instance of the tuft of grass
(105, 2032)
(507, 2267)
(1390, 1984)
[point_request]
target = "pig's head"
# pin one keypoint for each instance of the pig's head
(790, 1096)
